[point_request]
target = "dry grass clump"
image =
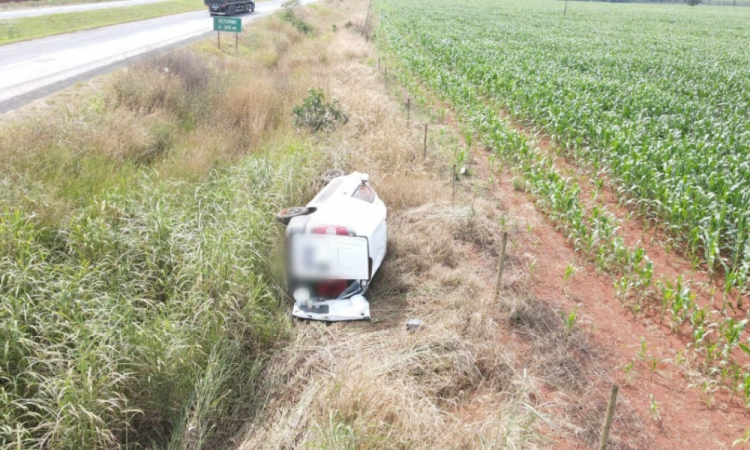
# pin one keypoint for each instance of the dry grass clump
(400, 395)
(174, 82)
(564, 355)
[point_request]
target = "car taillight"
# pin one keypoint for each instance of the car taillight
(331, 288)
(330, 229)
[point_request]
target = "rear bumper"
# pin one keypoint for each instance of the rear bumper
(338, 310)
(216, 10)
(224, 11)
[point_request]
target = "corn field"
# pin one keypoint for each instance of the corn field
(655, 98)
(661, 113)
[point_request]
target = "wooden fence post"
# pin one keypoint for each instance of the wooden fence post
(499, 282)
(424, 156)
(453, 181)
(408, 111)
(608, 417)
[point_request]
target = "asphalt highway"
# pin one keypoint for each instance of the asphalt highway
(33, 69)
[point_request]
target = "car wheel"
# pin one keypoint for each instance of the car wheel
(287, 214)
(329, 175)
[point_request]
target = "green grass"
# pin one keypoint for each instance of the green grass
(8, 6)
(15, 30)
(140, 294)
(143, 311)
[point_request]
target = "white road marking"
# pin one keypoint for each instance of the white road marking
(62, 38)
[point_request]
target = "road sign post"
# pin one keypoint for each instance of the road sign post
(230, 24)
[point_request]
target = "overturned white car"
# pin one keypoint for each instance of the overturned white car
(335, 245)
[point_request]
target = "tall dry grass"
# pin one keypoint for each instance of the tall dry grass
(376, 386)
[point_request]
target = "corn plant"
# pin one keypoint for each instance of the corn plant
(735, 374)
(678, 300)
(569, 321)
(745, 391)
(730, 332)
(654, 408)
(708, 388)
(628, 371)
(653, 365)
(642, 350)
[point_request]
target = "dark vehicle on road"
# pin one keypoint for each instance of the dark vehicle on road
(229, 7)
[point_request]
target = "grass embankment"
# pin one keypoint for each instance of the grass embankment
(137, 294)
(15, 30)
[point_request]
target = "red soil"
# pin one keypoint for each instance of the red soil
(686, 421)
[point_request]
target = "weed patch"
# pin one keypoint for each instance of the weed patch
(291, 15)
(317, 115)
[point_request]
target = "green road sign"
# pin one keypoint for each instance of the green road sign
(233, 24)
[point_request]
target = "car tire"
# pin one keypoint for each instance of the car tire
(329, 175)
(287, 214)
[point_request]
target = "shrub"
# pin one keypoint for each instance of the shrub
(317, 115)
(290, 16)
